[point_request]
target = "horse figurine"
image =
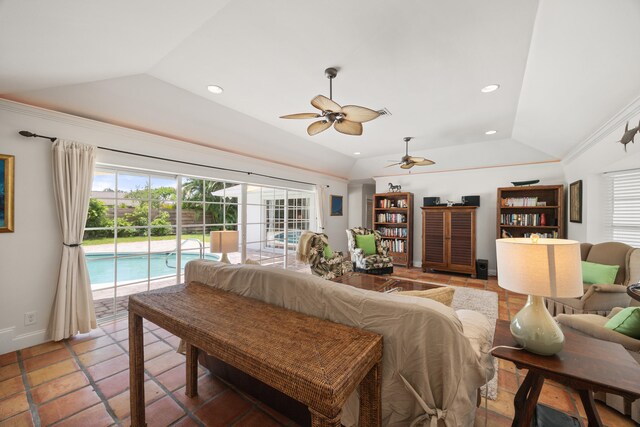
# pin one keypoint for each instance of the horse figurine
(394, 188)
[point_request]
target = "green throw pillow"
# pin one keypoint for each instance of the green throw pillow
(366, 242)
(599, 274)
(328, 253)
(626, 322)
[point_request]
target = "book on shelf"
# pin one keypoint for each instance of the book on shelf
(522, 219)
(553, 235)
(392, 203)
(391, 217)
(395, 245)
(518, 201)
(393, 231)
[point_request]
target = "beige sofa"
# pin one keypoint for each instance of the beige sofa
(443, 354)
(601, 299)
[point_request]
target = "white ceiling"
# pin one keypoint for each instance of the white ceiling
(564, 66)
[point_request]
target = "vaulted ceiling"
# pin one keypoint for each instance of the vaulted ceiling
(564, 67)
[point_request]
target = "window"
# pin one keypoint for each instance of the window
(142, 228)
(624, 215)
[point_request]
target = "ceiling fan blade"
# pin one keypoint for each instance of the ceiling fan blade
(425, 162)
(356, 113)
(325, 104)
(407, 165)
(416, 159)
(348, 127)
(317, 127)
(301, 116)
(393, 164)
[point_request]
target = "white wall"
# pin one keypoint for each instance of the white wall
(29, 257)
(454, 185)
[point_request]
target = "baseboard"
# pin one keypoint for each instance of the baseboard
(493, 272)
(29, 339)
(6, 340)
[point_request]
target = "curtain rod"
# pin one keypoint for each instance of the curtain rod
(28, 134)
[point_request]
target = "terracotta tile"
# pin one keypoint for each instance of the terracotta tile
(114, 384)
(58, 387)
(85, 346)
(557, 398)
(8, 358)
(503, 405)
(67, 405)
(173, 341)
(115, 326)
(223, 409)
(11, 386)
(46, 359)
(41, 349)
(186, 422)
(612, 418)
(121, 405)
(96, 416)
(493, 419)
(208, 387)
(156, 349)
(161, 413)
(256, 418)
(507, 381)
(507, 366)
(100, 355)
(173, 378)
(120, 335)
(51, 372)
(162, 333)
(9, 371)
(275, 414)
(13, 405)
(21, 420)
(109, 367)
(164, 362)
(149, 325)
(95, 333)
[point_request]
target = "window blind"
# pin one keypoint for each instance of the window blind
(624, 207)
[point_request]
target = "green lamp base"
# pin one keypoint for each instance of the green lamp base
(535, 330)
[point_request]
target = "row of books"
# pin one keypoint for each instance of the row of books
(519, 201)
(391, 203)
(391, 217)
(393, 232)
(395, 245)
(521, 219)
(553, 235)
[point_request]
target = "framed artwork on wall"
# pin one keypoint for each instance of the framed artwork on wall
(575, 201)
(6, 193)
(336, 205)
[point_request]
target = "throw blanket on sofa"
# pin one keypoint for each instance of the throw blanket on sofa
(424, 341)
(304, 247)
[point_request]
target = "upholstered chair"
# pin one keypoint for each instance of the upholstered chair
(327, 268)
(378, 263)
(602, 298)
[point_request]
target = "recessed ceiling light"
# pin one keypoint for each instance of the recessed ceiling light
(357, 153)
(491, 132)
(215, 89)
(490, 88)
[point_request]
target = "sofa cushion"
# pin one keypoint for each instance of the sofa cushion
(611, 253)
(328, 253)
(593, 273)
(627, 322)
(442, 294)
(366, 242)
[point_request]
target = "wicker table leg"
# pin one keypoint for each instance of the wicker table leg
(136, 370)
(370, 398)
(319, 420)
(192, 371)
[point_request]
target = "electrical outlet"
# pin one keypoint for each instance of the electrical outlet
(30, 318)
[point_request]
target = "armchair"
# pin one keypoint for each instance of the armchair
(378, 263)
(602, 298)
(327, 268)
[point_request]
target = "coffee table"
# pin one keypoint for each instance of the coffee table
(585, 364)
(634, 291)
(377, 283)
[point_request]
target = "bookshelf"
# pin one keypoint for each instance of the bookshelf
(393, 218)
(522, 211)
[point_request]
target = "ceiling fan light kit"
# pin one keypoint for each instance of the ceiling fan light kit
(347, 120)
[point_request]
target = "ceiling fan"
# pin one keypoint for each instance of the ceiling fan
(407, 161)
(347, 119)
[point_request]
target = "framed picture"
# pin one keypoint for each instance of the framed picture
(575, 201)
(336, 205)
(6, 193)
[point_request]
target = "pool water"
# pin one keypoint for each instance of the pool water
(135, 267)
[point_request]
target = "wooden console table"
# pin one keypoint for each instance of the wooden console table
(316, 362)
(372, 282)
(585, 364)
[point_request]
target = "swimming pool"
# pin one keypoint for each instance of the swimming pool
(134, 267)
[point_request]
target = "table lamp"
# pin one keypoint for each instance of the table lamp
(223, 242)
(539, 268)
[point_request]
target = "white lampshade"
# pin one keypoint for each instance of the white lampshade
(224, 241)
(546, 268)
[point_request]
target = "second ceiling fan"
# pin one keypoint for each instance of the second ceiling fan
(407, 161)
(347, 119)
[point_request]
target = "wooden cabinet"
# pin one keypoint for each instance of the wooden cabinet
(393, 218)
(449, 239)
(522, 211)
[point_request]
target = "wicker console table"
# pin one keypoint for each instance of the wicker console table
(316, 362)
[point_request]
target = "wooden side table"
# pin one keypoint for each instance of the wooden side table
(585, 364)
(634, 291)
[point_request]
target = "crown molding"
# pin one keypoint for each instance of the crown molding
(611, 125)
(148, 135)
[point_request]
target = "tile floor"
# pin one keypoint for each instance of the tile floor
(84, 381)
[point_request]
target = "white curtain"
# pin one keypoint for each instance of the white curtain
(73, 311)
(320, 201)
